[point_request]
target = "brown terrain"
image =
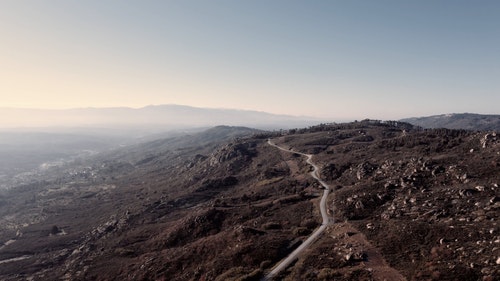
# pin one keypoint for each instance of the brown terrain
(408, 204)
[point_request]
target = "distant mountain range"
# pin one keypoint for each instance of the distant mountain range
(156, 119)
(164, 116)
(467, 121)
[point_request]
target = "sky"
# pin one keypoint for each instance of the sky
(335, 59)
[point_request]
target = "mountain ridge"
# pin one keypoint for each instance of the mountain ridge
(169, 115)
(223, 204)
(465, 121)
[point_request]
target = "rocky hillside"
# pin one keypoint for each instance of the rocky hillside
(410, 203)
(465, 121)
(426, 199)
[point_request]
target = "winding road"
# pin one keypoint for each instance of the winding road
(322, 205)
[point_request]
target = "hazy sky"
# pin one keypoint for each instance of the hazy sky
(338, 59)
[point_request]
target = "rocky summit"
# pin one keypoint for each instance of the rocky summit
(406, 203)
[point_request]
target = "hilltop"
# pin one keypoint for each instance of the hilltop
(225, 205)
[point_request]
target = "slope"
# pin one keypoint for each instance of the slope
(420, 203)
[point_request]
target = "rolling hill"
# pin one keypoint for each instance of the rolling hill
(225, 205)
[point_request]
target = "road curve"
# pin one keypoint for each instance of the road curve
(322, 205)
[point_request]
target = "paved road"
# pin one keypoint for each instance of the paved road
(322, 205)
